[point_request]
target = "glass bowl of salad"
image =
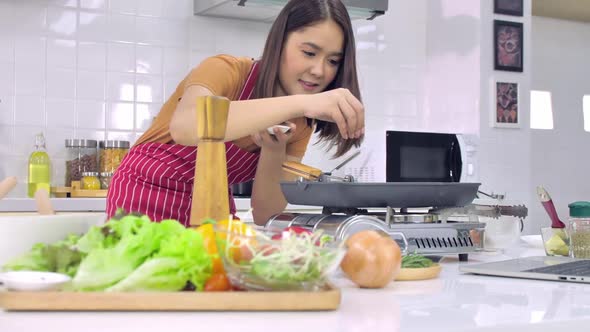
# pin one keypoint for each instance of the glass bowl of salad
(278, 260)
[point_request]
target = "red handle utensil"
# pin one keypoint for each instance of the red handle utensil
(549, 207)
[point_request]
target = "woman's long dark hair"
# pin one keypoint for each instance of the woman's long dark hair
(295, 15)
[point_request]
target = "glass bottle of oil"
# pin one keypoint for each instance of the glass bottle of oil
(39, 167)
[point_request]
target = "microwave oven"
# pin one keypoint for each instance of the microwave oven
(423, 157)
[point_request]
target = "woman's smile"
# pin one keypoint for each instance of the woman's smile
(308, 86)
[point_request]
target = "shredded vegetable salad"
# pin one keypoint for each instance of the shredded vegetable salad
(292, 259)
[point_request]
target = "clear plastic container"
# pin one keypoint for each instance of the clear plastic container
(81, 157)
(105, 179)
(90, 181)
(111, 154)
(579, 229)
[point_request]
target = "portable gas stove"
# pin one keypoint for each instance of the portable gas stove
(426, 233)
(428, 218)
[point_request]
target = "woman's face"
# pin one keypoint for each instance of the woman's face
(310, 59)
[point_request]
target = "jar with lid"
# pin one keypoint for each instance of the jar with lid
(90, 181)
(579, 229)
(81, 156)
(111, 154)
(105, 179)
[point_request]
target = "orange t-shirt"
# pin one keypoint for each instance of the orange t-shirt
(225, 76)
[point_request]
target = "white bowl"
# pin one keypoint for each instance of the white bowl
(19, 233)
(33, 280)
(282, 128)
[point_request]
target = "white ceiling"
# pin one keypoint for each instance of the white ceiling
(576, 10)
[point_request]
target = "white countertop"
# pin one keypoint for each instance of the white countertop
(453, 302)
(99, 204)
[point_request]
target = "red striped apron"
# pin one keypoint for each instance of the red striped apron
(157, 179)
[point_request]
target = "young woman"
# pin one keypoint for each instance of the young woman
(306, 77)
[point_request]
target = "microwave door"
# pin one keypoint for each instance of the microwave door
(455, 162)
(422, 157)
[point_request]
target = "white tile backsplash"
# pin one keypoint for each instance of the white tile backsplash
(63, 3)
(150, 8)
(123, 6)
(144, 114)
(94, 4)
(120, 86)
(30, 50)
(61, 113)
(6, 135)
(6, 16)
(92, 56)
(175, 60)
(92, 26)
(61, 83)
(120, 116)
(62, 22)
(148, 88)
(30, 18)
(171, 82)
(61, 53)
(29, 111)
(177, 9)
(121, 57)
(121, 28)
(29, 79)
(6, 44)
(91, 85)
(91, 114)
(6, 112)
(7, 81)
(148, 59)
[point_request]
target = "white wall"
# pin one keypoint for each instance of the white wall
(98, 69)
(504, 154)
(559, 157)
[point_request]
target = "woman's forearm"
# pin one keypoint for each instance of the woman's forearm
(267, 198)
(245, 117)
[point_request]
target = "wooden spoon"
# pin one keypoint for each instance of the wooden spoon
(43, 202)
(7, 185)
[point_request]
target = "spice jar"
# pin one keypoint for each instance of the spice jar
(105, 180)
(111, 154)
(90, 181)
(81, 157)
(579, 228)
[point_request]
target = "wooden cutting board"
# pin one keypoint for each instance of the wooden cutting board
(171, 301)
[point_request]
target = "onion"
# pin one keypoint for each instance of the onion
(372, 260)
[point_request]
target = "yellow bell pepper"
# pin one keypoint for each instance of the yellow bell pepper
(236, 226)
(209, 240)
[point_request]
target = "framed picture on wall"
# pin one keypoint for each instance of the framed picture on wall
(506, 114)
(508, 7)
(508, 46)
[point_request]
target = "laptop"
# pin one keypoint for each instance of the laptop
(536, 267)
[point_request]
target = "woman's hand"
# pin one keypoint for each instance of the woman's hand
(339, 106)
(276, 142)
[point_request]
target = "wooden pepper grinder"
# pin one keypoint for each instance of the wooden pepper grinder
(210, 188)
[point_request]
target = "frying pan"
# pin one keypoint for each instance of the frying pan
(367, 195)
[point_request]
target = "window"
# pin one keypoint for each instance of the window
(586, 109)
(542, 110)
